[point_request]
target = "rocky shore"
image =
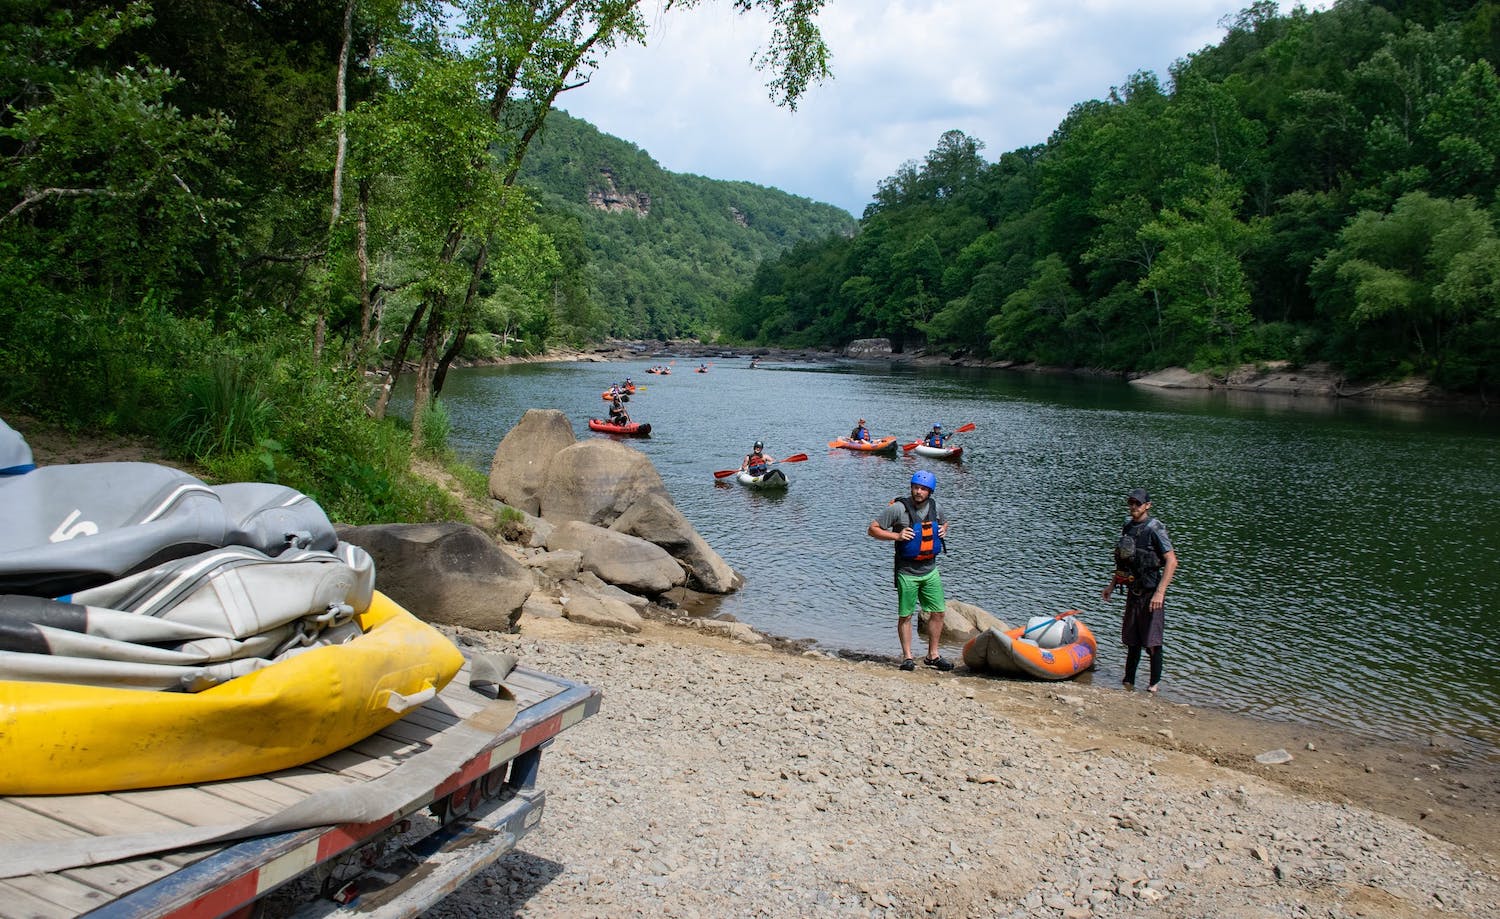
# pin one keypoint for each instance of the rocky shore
(730, 776)
(721, 779)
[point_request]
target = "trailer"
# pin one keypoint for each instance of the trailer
(466, 811)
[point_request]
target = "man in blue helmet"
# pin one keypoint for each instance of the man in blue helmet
(935, 437)
(917, 527)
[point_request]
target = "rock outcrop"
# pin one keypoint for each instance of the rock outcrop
(519, 469)
(868, 348)
(449, 573)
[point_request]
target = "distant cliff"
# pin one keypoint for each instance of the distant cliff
(665, 251)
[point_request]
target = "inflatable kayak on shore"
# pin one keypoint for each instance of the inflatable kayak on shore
(1021, 651)
(633, 429)
(773, 478)
(947, 453)
(71, 738)
(882, 445)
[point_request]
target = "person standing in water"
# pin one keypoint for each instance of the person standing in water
(1146, 563)
(917, 527)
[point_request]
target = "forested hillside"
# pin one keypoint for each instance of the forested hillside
(1318, 185)
(664, 250)
(217, 215)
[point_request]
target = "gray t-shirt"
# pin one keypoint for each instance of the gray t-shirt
(894, 517)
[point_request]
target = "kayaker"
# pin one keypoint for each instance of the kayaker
(1146, 562)
(757, 462)
(860, 432)
(617, 413)
(917, 527)
(935, 437)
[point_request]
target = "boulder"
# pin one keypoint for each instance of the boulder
(656, 519)
(868, 348)
(619, 558)
(519, 468)
(561, 565)
(596, 481)
(586, 609)
(962, 621)
(541, 608)
(450, 573)
(588, 582)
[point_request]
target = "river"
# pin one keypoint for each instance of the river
(1339, 562)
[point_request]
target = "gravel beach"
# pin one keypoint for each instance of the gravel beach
(724, 779)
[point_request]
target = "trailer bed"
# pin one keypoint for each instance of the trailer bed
(480, 809)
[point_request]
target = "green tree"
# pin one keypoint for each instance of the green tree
(1200, 273)
(1413, 286)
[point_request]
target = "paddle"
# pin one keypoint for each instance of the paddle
(1041, 625)
(794, 458)
(917, 443)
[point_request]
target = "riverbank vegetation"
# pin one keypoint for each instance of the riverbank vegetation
(217, 215)
(1316, 186)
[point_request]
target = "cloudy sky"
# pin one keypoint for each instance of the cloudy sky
(1002, 71)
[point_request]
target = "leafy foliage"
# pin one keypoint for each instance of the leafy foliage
(1317, 186)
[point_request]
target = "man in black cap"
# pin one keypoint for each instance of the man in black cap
(1146, 562)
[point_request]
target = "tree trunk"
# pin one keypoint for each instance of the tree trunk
(442, 368)
(399, 358)
(362, 254)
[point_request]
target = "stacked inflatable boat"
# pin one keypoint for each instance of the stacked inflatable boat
(156, 631)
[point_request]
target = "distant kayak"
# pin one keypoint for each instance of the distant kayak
(882, 445)
(773, 478)
(948, 453)
(633, 429)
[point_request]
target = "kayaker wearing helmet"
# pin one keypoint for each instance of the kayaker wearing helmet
(757, 462)
(918, 528)
(617, 413)
(1145, 562)
(935, 437)
(860, 432)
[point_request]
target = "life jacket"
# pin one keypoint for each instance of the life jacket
(934, 440)
(756, 465)
(860, 433)
(1136, 558)
(927, 542)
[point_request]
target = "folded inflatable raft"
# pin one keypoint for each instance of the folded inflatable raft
(1005, 651)
(66, 738)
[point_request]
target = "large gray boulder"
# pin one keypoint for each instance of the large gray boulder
(868, 348)
(619, 558)
(450, 573)
(596, 481)
(519, 468)
(656, 519)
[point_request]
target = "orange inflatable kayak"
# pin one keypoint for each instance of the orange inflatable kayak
(1009, 651)
(882, 445)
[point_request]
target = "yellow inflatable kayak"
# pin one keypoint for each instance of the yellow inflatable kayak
(64, 738)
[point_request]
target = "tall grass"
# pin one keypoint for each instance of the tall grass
(226, 408)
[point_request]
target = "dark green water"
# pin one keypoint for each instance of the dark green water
(1340, 563)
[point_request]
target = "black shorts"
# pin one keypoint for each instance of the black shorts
(1142, 628)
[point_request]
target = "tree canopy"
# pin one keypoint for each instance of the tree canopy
(1316, 186)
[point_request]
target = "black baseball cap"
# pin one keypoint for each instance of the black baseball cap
(1139, 496)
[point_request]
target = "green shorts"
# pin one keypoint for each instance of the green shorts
(924, 590)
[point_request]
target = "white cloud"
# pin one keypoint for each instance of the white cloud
(904, 72)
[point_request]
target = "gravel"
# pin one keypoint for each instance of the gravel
(720, 780)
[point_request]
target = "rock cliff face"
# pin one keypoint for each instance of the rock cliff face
(608, 197)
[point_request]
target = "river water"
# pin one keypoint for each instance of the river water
(1339, 563)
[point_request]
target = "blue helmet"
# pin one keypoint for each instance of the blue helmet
(925, 479)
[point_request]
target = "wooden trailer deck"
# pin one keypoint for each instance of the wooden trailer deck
(487, 803)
